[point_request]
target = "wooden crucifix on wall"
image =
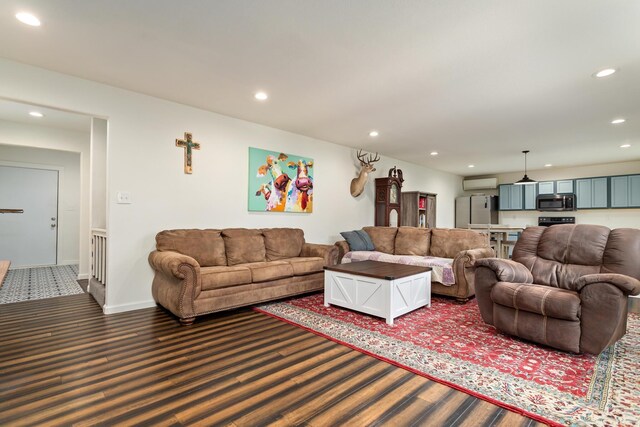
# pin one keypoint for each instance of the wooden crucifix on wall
(188, 145)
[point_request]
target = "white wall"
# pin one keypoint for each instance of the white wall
(612, 218)
(144, 160)
(70, 150)
(98, 186)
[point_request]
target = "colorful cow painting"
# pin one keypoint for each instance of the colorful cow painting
(280, 182)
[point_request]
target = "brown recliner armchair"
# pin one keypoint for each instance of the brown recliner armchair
(566, 286)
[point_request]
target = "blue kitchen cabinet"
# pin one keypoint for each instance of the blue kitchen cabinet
(516, 197)
(511, 197)
(546, 187)
(592, 193)
(565, 186)
(625, 191)
(634, 191)
(505, 197)
(599, 193)
(530, 193)
(619, 191)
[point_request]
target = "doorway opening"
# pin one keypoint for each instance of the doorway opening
(45, 187)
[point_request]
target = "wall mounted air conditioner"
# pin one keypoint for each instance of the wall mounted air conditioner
(479, 184)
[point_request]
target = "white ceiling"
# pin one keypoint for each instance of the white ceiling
(19, 112)
(476, 81)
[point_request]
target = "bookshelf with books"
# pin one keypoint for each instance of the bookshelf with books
(418, 209)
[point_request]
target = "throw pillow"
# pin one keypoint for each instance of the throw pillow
(358, 240)
(367, 240)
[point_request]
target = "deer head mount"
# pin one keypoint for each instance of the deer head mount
(366, 167)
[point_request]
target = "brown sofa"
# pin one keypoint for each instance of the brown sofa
(566, 286)
(410, 245)
(204, 271)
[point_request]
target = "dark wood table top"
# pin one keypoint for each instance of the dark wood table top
(378, 269)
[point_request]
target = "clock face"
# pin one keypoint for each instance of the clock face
(393, 194)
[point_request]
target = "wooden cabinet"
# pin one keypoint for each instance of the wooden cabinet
(511, 197)
(592, 193)
(625, 191)
(419, 209)
(388, 201)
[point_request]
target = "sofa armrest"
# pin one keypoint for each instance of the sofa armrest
(627, 284)
(343, 248)
(469, 257)
(506, 270)
(328, 252)
(173, 263)
(177, 283)
(464, 270)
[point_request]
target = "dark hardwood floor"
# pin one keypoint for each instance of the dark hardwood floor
(62, 362)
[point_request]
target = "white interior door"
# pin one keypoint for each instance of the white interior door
(29, 238)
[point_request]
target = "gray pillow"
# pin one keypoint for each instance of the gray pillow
(358, 240)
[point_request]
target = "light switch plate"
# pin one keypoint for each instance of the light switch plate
(123, 197)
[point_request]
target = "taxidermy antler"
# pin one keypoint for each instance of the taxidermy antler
(357, 184)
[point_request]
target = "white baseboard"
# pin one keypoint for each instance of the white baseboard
(111, 309)
(83, 276)
(69, 262)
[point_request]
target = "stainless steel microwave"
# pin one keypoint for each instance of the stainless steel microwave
(556, 202)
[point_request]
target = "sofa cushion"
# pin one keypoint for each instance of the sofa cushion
(538, 299)
(358, 240)
(412, 241)
(243, 245)
(447, 243)
(205, 246)
(282, 242)
(305, 265)
(383, 238)
(271, 270)
(223, 277)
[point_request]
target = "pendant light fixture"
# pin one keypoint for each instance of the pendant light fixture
(525, 179)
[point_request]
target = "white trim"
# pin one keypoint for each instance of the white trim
(83, 276)
(111, 309)
(31, 165)
(69, 262)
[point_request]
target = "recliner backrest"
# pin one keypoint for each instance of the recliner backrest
(558, 255)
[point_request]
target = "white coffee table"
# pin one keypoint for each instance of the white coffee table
(381, 289)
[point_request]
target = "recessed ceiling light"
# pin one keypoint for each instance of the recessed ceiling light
(434, 153)
(36, 114)
(27, 18)
(471, 166)
(374, 133)
(625, 146)
(606, 72)
(261, 96)
(548, 165)
(618, 121)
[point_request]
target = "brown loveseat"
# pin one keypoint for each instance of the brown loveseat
(204, 271)
(566, 286)
(456, 249)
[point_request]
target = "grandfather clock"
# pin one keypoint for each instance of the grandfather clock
(388, 200)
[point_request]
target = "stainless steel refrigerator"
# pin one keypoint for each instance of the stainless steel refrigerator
(476, 210)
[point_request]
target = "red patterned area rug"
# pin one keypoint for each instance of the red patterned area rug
(451, 344)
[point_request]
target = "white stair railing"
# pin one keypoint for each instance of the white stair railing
(99, 255)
